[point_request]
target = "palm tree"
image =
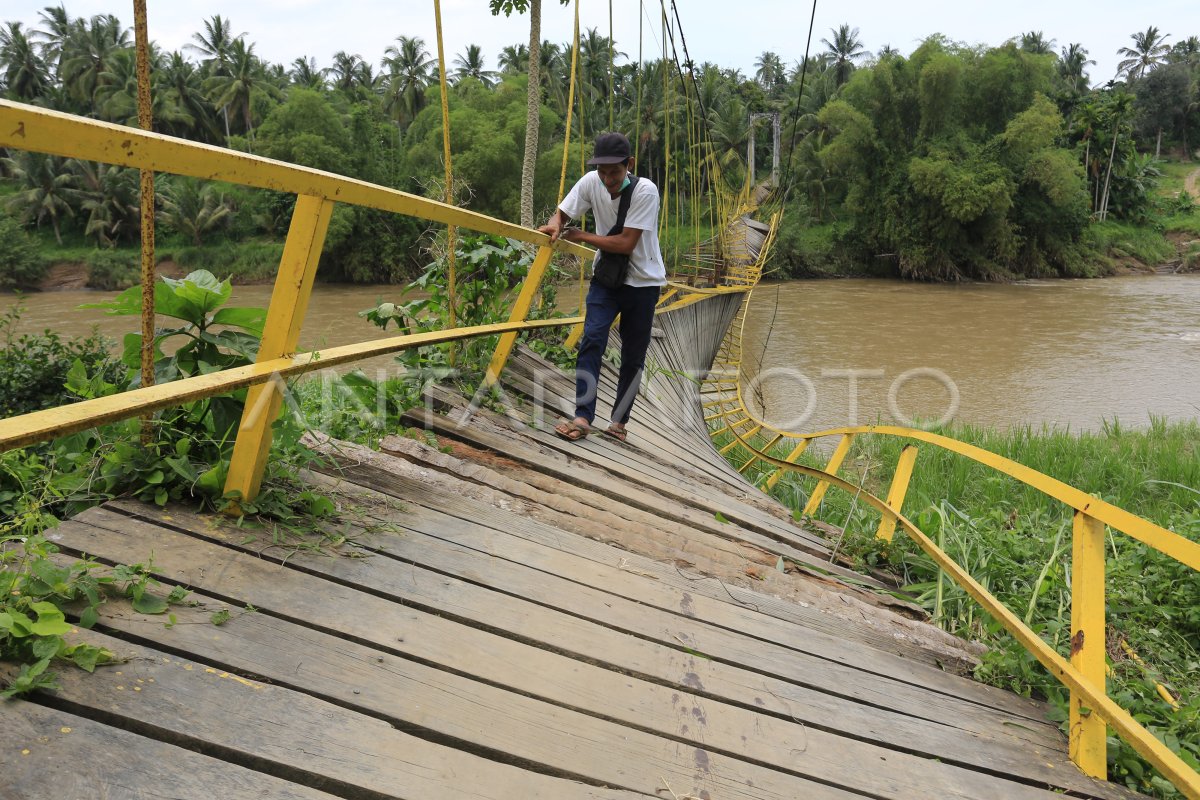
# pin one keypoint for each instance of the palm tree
(87, 55)
(111, 197)
(345, 70)
(182, 80)
(514, 59)
(1148, 52)
(843, 51)
(1036, 42)
(305, 73)
(408, 72)
(768, 70)
(1072, 65)
(56, 30)
(193, 208)
(214, 45)
(1187, 51)
(116, 99)
(1122, 102)
(46, 189)
(24, 72)
(245, 81)
(472, 64)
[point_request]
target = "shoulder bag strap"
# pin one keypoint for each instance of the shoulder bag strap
(623, 206)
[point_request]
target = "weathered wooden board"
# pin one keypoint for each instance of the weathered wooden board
(814, 602)
(412, 696)
(721, 743)
(309, 739)
(397, 585)
(634, 512)
(544, 452)
(620, 599)
(50, 754)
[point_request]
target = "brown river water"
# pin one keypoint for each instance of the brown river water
(1065, 353)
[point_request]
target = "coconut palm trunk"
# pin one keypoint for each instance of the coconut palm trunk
(532, 109)
(1108, 175)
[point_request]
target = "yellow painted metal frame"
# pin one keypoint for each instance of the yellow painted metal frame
(1083, 672)
(40, 130)
(1079, 675)
(44, 131)
(41, 425)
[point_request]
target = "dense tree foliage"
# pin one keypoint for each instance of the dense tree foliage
(951, 162)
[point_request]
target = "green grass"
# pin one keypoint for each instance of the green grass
(1122, 239)
(1174, 173)
(1016, 542)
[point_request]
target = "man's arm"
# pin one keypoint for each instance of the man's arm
(554, 226)
(623, 242)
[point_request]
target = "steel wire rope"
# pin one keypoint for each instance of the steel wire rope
(707, 142)
(451, 230)
(562, 178)
(787, 175)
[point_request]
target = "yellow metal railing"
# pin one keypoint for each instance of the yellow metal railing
(26, 127)
(1083, 672)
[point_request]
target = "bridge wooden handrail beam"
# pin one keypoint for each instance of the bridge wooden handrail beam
(41, 130)
(53, 422)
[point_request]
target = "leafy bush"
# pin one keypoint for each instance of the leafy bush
(114, 269)
(249, 260)
(34, 367)
(20, 265)
(489, 268)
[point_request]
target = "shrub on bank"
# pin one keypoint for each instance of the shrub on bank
(112, 270)
(245, 261)
(33, 367)
(20, 264)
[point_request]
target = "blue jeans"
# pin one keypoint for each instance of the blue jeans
(636, 305)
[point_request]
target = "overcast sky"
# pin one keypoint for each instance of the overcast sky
(731, 34)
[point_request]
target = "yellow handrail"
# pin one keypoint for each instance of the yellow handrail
(40, 130)
(39, 426)
(1083, 674)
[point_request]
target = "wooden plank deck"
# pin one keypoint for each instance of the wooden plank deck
(512, 616)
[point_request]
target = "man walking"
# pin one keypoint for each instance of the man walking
(633, 297)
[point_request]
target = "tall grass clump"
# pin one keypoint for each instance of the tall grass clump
(1017, 543)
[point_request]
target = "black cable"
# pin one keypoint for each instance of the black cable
(691, 67)
(796, 112)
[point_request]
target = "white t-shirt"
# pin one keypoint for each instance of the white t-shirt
(646, 266)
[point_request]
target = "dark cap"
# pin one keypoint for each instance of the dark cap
(611, 148)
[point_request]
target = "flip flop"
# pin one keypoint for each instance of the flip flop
(616, 433)
(571, 431)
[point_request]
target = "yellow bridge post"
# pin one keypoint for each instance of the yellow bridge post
(835, 462)
(519, 313)
(1088, 732)
(897, 491)
(791, 459)
(289, 302)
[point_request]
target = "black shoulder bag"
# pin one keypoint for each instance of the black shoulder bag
(611, 268)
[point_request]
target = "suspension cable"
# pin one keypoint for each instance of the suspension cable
(637, 107)
(562, 178)
(612, 98)
(449, 193)
(787, 175)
